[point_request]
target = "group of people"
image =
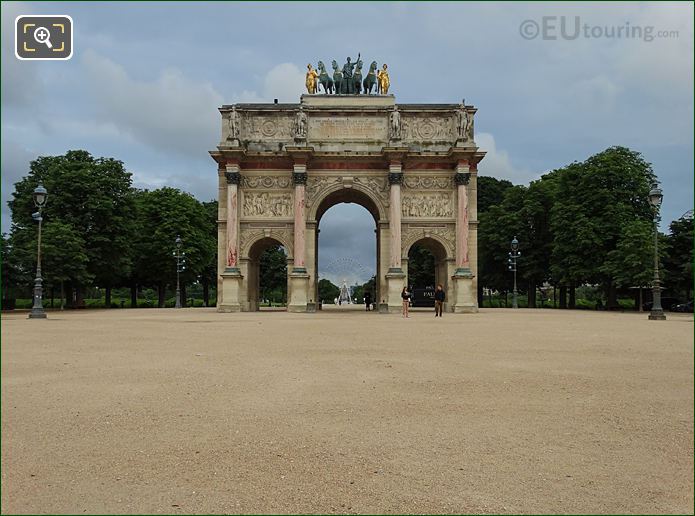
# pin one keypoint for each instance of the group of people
(439, 297)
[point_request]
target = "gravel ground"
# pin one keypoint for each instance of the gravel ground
(191, 411)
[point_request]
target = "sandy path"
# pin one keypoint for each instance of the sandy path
(191, 411)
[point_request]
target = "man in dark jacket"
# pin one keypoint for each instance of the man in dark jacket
(439, 297)
(368, 300)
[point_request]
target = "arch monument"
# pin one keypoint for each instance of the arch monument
(282, 166)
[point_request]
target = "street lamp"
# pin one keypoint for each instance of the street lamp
(37, 312)
(655, 198)
(511, 261)
(180, 267)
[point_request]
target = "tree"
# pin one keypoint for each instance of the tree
(63, 256)
(91, 195)
(208, 275)
(498, 225)
(678, 261)
(273, 274)
(596, 200)
(491, 192)
(327, 291)
(420, 267)
(163, 215)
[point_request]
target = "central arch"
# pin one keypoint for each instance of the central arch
(347, 195)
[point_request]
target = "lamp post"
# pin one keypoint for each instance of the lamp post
(513, 257)
(657, 313)
(37, 312)
(180, 267)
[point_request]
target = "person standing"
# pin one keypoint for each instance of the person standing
(439, 297)
(405, 296)
(368, 300)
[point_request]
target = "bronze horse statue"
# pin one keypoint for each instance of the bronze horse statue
(324, 79)
(357, 77)
(337, 77)
(370, 81)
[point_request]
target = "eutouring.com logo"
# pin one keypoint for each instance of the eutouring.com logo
(569, 28)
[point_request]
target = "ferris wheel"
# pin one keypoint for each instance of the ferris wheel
(347, 269)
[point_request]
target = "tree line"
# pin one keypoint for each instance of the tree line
(589, 223)
(99, 230)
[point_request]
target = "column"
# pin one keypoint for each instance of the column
(299, 298)
(464, 296)
(395, 180)
(232, 257)
(395, 277)
(230, 300)
(299, 178)
(461, 179)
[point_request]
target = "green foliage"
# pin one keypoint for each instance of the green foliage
(597, 200)
(421, 264)
(360, 291)
(273, 275)
(491, 192)
(162, 215)
(327, 291)
(678, 261)
(92, 197)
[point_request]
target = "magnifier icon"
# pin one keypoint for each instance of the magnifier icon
(42, 35)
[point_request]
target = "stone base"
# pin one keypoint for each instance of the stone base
(465, 300)
(298, 296)
(395, 281)
(657, 316)
(231, 289)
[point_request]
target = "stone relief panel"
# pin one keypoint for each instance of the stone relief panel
(428, 128)
(267, 204)
(348, 128)
(248, 237)
(428, 182)
(316, 185)
(377, 185)
(275, 182)
(427, 205)
(270, 127)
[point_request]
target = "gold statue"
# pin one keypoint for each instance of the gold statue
(383, 80)
(311, 76)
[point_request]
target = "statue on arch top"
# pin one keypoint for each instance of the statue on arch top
(348, 67)
(311, 76)
(383, 80)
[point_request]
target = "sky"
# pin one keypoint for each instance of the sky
(146, 79)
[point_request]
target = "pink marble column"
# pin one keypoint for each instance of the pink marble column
(461, 178)
(299, 178)
(395, 180)
(233, 176)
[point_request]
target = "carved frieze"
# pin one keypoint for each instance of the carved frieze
(376, 185)
(427, 182)
(428, 128)
(268, 182)
(270, 127)
(267, 204)
(427, 205)
(316, 185)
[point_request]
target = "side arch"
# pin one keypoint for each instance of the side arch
(250, 237)
(442, 236)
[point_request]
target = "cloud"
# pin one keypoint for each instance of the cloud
(172, 112)
(21, 83)
(497, 162)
